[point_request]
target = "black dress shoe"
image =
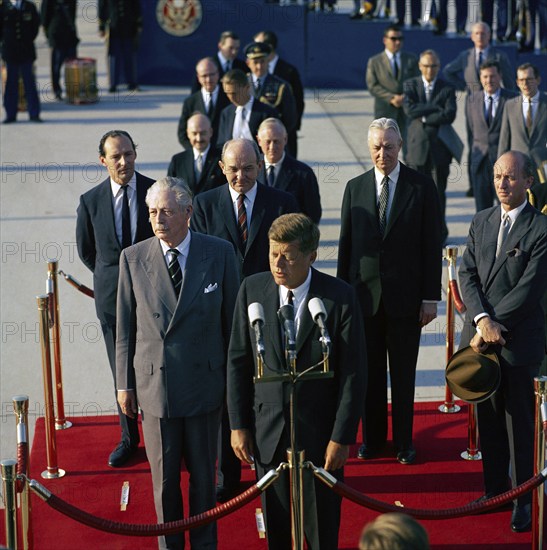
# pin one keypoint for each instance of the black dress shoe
(224, 494)
(406, 456)
(366, 453)
(9, 120)
(121, 454)
(36, 119)
(521, 518)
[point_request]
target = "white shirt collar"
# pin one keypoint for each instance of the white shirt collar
(514, 213)
(183, 247)
(393, 175)
(426, 83)
(533, 99)
(299, 297)
(250, 194)
(248, 106)
(116, 187)
(204, 153)
(278, 163)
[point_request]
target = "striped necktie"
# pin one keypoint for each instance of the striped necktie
(382, 204)
(174, 270)
(503, 232)
(242, 220)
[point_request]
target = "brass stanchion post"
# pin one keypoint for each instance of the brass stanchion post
(451, 253)
(296, 471)
(9, 478)
(61, 423)
(538, 497)
(472, 452)
(51, 443)
(20, 408)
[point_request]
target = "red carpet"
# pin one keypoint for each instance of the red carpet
(438, 479)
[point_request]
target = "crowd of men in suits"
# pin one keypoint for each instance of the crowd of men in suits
(178, 262)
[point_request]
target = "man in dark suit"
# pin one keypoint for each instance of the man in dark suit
(503, 276)
(112, 216)
(524, 122)
(226, 57)
(483, 113)
(209, 100)
(19, 26)
(198, 166)
(284, 70)
(385, 212)
(173, 352)
(59, 22)
(270, 89)
(440, 13)
(385, 75)
(328, 410)
(244, 222)
(429, 104)
(242, 118)
(121, 21)
(284, 172)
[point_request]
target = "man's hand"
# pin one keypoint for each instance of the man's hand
(428, 312)
(397, 100)
(128, 403)
(336, 456)
(490, 331)
(242, 444)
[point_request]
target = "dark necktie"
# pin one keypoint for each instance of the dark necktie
(257, 85)
(529, 119)
(242, 220)
(227, 66)
(174, 270)
(481, 59)
(395, 68)
(382, 204)
(503, 232)
(490, 110)
(210, 107)
(199, 166)
(126, 219)
(290, 298)
(271, 175)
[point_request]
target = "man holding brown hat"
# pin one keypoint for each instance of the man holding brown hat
(503, 277)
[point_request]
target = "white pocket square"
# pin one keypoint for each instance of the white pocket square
(515, 252)
(210, 288)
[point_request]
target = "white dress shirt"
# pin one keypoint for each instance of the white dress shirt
(117, 203)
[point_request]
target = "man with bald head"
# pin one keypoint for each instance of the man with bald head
(209, 100)
(198, 166)
(503, 277)
(282, 171)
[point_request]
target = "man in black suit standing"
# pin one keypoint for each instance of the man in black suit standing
(198, 166)
(112, 216)
(284, 70)
(284, 172)
(226, 57)
(242, 118)
(483, 113)
(240, 212)
(429, 104)
(209, 100)
(387, 211)
(503, 277)
(328, 410)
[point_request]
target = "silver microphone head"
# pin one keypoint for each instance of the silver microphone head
(255, 311)
(317, 309)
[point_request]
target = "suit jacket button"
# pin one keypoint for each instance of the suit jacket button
(156, 315)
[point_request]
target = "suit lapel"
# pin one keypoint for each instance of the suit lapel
(259, 211)
(142, 209)
(158, 275)
(306, 322)
(271, 306)
(107, 207)
(403, 192)
(540, 119)
(189, 169)
(284, 176)
(228, 215)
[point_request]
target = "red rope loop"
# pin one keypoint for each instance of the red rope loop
(458, 302)
(448, 513)
(153, 530)
(77, 285)
(22, 465)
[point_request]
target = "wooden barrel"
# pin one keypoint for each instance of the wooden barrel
(81, 81)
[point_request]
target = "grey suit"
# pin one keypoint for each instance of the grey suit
(484, 145)
(174, 354)
(513, 135)
(509, 289)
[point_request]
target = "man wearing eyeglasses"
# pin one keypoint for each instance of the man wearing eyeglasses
(386, 73)
(524, 122)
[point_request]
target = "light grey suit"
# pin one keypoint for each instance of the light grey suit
(173, 352)
(513, 136)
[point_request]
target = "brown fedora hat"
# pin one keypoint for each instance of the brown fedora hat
(472, 376)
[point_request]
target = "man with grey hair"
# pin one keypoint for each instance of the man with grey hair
(386, 211)
(173, 353)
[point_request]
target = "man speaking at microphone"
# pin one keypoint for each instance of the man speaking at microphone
(327, 410)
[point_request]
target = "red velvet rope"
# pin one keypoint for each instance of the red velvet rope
(458, 302)
(469, 509)
(153, 530)
(22, 466)
(77, 285)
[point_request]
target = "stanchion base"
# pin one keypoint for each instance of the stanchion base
(466, 455)
(63, 425)
(449, 409)
(49, 475)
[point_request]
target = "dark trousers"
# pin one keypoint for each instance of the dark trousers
(229, 466)
(11, 93)
(169, 441)
(441, 13)
(129, 426)
(415, 10)
(58, 57)
(506, 430)
(396, 338)
(505, 17)
(122, 61)
(321, 505)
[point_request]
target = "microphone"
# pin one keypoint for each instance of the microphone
(285, 315)
(255, 311)
(319, 316)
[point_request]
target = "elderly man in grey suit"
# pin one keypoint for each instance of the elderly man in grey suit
(386, 73)
(524, 122)
(176, 298)
(483, 113)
